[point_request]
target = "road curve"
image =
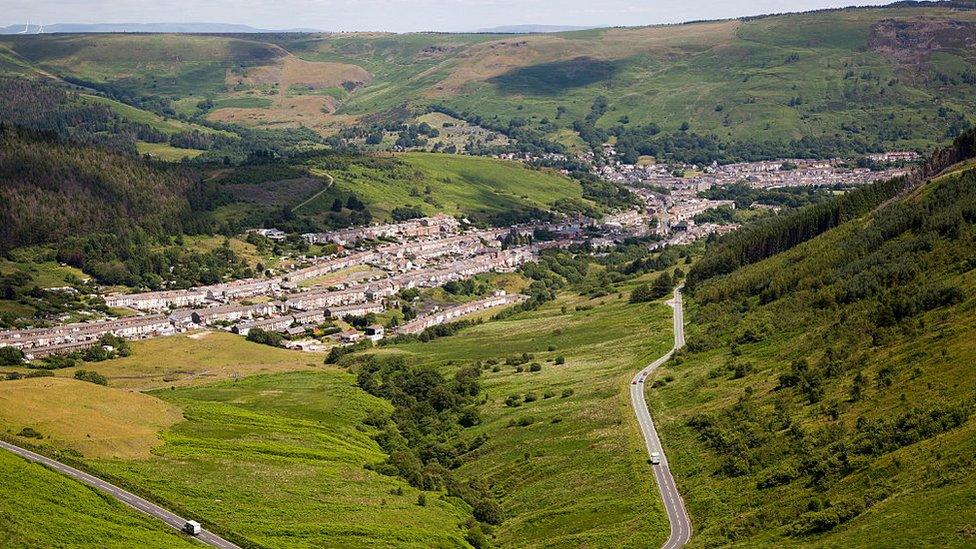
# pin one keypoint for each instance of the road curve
(673, 504)
(125, 497)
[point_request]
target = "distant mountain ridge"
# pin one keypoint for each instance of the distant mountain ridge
(194, 28)
(532, 29)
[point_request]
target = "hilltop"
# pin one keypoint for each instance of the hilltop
(840, 81)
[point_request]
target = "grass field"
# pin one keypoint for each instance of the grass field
(456, 184)
(167, 152)
(577, 475)
(168, 126)
(74, 516)
(279, 460)
(91, 419)
(196, 359)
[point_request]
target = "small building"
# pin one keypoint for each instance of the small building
(349, 336)
(374, 332)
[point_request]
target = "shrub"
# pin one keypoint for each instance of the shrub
(560, 360)
(28, 432)
(91, 376)
(488, 511)
(567, 393)
(531, 397)
(476, 537)
(535, 367)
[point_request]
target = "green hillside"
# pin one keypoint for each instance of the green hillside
(453, 184)
(827, 393)
(895, 77)
(61, 512)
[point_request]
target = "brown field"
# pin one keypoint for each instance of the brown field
(97, 421)
(292, 71)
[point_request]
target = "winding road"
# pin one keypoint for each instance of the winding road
(125, 497)
(673, 504)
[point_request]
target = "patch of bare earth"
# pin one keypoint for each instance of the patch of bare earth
(912, 41)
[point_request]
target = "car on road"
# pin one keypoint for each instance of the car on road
(633, 382)
(655, 458)
(192, 527)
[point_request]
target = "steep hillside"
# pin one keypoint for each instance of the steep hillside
(834, 81)
(827, 394)
(52, 190)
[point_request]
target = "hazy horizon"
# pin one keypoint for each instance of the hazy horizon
(401, 15)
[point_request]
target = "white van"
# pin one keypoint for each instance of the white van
(192, 527)
(655, 458)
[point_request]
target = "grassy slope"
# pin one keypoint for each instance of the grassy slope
(577, 476)
(94, 420)
(458, 184)
(279, 460)
(41, 508)
(196, 359)
(923, 491)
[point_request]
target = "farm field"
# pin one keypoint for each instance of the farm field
(167, 152)
(195, 359)
(90, 419)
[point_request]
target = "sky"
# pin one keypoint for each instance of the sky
(400, 15)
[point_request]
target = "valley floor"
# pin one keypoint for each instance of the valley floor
(277, 458)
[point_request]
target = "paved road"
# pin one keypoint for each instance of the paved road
(673, 504)
(125, 497)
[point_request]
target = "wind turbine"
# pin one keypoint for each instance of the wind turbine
(27, 26)
(41, 28)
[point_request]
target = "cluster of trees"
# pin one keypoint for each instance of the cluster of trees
(661, 287)
(43, 106)
(196, 139)
(780, 233)
(524, 138)
(555, 270)
(136, 259)
(789, 197)
(264, 337)
(91, 376)
(777, 234)
(424, 435)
